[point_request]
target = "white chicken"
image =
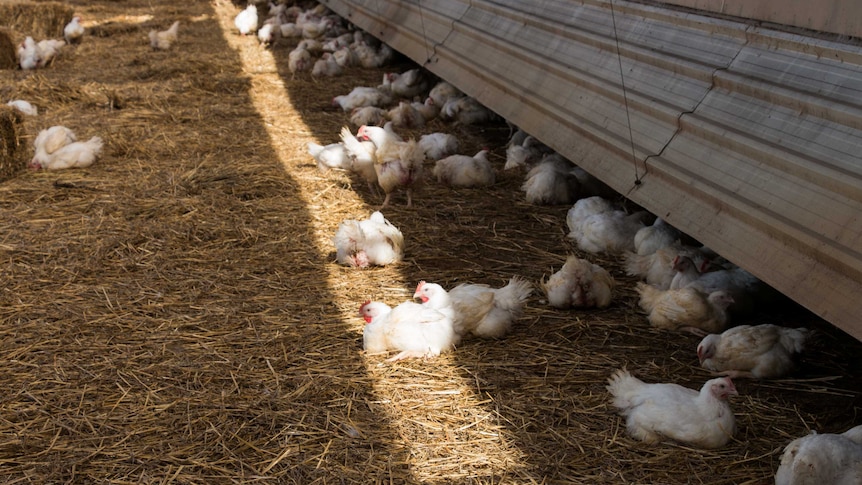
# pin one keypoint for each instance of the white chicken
(326, 66)
(368, 115)
(551, 182)
(442, 92)
(438, 145)
(246, 21)
(415, 330)
(289, 30)
(369, 57)
(29, 54)
(164, 39)
(488, 312)
(362, 157)
(650, 239)
(299, 60)
(405, 115)
(399, 164)
(49, 49)
(331, 156)
(684, 309)
(73, 32)
(820, 459)
(370, 242)
(267, 33)
(57, 149)
(657, 268)
(579, 284)
(24, 107)
(466, 111)
(346, 57)
(465, 171)
(761, 351)
(655, 411)
(584, 208)
(611, 231)
(522, 154)
(407, 84)
(361, 96)
(745, 288)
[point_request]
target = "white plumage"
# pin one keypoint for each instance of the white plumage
(611, 231)
(760, 351)
(649, 239)
(361, 96)
(579, 284)
(370, 242)
(653, 411)
(24, 107)
(438, 145)
(331, 156)
(246, 21)
(57, 149)
(163, 40)
(488, 312)
(73, 32)
(685, 308)
(821, 459)
(551, 182)
(465, 171)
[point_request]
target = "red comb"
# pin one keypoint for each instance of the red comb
(420, 285)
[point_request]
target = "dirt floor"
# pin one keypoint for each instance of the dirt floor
(173, 314)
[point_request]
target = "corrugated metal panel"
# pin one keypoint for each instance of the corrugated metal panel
(748, 139)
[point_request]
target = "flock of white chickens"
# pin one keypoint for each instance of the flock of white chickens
(682, 288)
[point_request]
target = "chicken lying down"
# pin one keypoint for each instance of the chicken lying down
(551, 182)
(657, 268)
(442, 92)
(760, 351)
(57, 148)
(579, 284)
(465, 171)
(820, 459)
(438, 145)
(415, 330)
(611, 231)
(406, 84)
(331, 156)
(488, 312)
(163, 40)
(684, 309)
(368, 115)
(362, 96)
(745, 288)
(653, 411)
(24, 107)
(583, 209)
(373, 241)
(326, 66)
(650, 239)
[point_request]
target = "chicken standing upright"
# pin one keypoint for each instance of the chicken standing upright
(685, 309)
(73, 32)
(362, 157)
(465, 171)
(820, 459)
(415, 330)
(760, 351)
(246, 21)
(48, 50)
(164, 39)
(703, 419)
(488, 312)
(299, 60)
(399, 164)
(579, 284)
(373, 241)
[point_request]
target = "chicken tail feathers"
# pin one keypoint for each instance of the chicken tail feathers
(793, 339)
(623, 387)
(512, 296)
(648, 294)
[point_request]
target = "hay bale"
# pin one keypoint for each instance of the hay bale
(10, 123)
(38, 20)
(8, 52)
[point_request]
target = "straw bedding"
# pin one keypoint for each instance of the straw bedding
(173, 313)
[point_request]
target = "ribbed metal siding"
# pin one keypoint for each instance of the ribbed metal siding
(748, 139)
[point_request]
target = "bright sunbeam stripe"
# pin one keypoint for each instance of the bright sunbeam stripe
(451, 432)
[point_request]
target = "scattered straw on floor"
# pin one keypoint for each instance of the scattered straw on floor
(173, 313)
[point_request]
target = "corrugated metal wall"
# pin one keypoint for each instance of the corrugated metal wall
(748, 139)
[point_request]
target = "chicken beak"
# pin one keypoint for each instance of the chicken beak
(731, 389)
